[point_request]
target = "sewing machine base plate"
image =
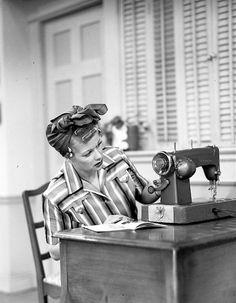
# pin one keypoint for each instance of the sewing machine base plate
(185, 214)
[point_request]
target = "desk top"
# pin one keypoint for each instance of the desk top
(172, 237)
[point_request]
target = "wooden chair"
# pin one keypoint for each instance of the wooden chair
(47, 286)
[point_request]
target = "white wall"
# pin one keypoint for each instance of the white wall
(21, 144)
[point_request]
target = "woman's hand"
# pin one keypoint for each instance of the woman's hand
(54, 251)
(159, 185)
(153, 192)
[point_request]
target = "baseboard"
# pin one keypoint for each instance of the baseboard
(16, 282)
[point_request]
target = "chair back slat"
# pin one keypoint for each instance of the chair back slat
(45, 256)
(39, 224)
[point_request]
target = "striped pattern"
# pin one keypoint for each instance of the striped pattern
(196, 50)
(71, 202)
(165, 88)
(226, 64)
(210, 61)
(134, 31)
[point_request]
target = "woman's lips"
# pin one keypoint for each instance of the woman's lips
(99, 163)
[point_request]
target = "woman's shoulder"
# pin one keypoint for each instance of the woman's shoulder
(115, 153)
(57, 189)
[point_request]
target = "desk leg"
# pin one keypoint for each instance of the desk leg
(65, 295)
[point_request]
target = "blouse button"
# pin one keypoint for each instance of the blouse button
(81, 210)
(124, 178)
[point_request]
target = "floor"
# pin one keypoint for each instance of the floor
(29, 296)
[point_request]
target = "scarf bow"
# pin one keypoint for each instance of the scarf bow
(61, 128)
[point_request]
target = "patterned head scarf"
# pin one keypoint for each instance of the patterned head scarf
(79, 121)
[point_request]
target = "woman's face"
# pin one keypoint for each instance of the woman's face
(87, 157)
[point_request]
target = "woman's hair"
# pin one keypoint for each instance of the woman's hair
(84, 134)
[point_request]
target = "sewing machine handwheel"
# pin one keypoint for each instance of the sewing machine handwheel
(162, 163)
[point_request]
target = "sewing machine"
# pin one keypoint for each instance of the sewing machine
(176, 205)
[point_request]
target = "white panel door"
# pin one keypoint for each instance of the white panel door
(73, 53)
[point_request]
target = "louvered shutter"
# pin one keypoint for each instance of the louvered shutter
(135, 62)
(210, 61)
(208, 47)
(226, 40)
(165, 87)
(198, 112)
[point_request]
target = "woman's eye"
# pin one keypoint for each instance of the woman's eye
(88, 154)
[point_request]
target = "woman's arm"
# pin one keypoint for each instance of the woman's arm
(147, 197)
(151, 192)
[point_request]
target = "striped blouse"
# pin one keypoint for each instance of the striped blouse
(70, 202)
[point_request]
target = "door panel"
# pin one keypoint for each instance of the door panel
(73, 53)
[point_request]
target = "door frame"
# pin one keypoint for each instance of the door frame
(112, 62)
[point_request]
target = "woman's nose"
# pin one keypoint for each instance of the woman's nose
(98, 155)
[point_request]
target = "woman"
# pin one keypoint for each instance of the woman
(95, 181)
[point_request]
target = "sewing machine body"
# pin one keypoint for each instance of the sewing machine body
(176, 205)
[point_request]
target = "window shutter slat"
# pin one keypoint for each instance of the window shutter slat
(196, 71)
(166, 113)
(226, 64)
(135, 62)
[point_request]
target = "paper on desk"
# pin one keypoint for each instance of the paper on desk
(120, 222)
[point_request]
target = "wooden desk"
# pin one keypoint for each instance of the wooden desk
(177, 264)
